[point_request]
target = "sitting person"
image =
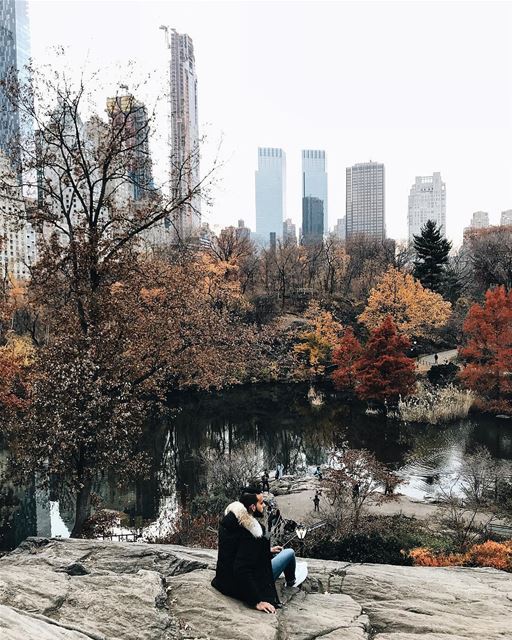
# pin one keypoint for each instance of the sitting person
(246, 569)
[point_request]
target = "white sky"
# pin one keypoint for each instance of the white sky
(419, 86)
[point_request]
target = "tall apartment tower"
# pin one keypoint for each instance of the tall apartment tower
(427, 201)
(365, 208)
(270, 181)
(314, 182)
(289, 231)
(506, 218)
(184, 131)
(14, 55)
(313, 217)
(131, 118)
(479, 220)
(340, 228)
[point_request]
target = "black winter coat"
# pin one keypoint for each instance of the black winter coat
(244, 569)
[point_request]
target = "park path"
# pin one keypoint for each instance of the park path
(427, 361)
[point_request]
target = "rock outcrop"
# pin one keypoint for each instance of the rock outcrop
(81, 589)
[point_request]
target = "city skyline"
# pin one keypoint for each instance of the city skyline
(413, 131)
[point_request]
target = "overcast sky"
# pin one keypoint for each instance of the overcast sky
(419, 86)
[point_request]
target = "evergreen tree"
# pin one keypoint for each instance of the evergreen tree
(432, 251)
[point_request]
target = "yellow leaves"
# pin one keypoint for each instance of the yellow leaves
(19, 349)
(415, 310)
(318, 342)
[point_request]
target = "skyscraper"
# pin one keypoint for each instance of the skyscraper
(130, 117)
(365, 208)
(14, 55)
(184, 132)
(289, 231)
(314, 182)
(340, 228)
(479, 220)
(506, 217)
(270, 179)
(427, 201)
(313, 216)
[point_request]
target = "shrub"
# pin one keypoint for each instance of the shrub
(436, 405)
(362, 547)
(497, 555)
(442, 374)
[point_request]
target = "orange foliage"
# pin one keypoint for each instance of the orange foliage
(488, 348)
(497, 555)
(415, 310)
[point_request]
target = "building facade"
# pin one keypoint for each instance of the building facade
(340, 228)
(314, 181)
(313, 217)
(130, 117)
(427, 201)
(14, 56)
(289, 231)
(479, 220)
(365, 204)
(270, 184)
(506, 217)
(184, 133)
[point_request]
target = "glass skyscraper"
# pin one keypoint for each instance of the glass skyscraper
(14, 54)
(314, 185)
(270, 193)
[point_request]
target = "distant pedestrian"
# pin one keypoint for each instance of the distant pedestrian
(316, 502)
(436, 358)
(277, 473)
(318, 473)
(265, 486)
(355, 491)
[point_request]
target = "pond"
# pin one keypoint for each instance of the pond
(278, 425)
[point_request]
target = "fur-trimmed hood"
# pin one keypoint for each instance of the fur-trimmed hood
(245, 519)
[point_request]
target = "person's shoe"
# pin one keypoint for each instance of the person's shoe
(301, 573)
(278, 605)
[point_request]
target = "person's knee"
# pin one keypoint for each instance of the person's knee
(288, 554)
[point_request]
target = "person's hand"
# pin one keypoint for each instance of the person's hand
(266, 607)
(276, 549)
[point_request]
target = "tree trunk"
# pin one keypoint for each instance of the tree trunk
(83, 508)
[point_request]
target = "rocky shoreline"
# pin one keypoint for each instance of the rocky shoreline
(53, 589)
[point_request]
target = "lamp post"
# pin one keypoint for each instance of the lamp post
(301, 532)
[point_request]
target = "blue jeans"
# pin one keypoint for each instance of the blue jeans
(284, 561)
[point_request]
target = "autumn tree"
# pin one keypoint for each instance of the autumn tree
(383, 371)
(317, 342)
(346, 357)
(432, 250)
(119, 331)
(489, 254)
(415, 310)
(487, 349)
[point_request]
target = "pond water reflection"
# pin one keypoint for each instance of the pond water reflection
(279, 425)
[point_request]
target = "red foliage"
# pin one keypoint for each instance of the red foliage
(488, 554)
(384, 371)
(488, 348)
(345, 357)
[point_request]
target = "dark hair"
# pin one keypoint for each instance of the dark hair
(252, 489)
(249, 499)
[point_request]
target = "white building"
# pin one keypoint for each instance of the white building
(340, 228)
(427, 201)
(17, 236)
(479, 220)
(365, 205)
(506, 218)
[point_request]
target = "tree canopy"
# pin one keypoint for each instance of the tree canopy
(415, 310)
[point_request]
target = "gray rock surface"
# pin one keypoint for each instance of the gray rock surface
(82, 589)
